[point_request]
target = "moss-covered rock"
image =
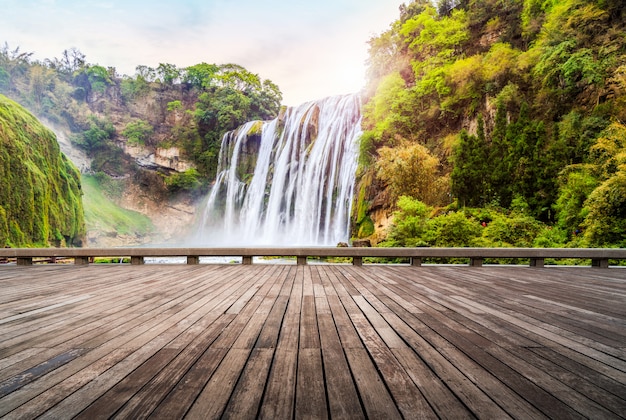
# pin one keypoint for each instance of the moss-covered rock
(40, 193)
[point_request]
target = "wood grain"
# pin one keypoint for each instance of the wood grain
(312, 341)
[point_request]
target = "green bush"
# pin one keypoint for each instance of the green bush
(138, 132)
(452, 229)
(187, 181)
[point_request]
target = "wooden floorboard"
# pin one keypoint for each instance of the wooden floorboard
(316, 341)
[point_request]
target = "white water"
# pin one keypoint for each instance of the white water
(301, 191)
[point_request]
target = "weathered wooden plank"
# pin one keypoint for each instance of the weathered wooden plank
(280, 392)
(369, 341)
(246, 398)
(343, 400)
(176, 404)
(471, 384)
(310, 388)
(155, 390)
(214, 397)
(137, 354)
(377, 402)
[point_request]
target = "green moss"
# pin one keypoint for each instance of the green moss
(366, 228)
(41, 203)
(256, 129)
(104, 215)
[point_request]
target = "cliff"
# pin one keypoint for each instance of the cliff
(40, 194)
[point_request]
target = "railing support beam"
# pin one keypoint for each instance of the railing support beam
(81, 260)
(537, 262)
(600, 263)
(24, 261)
(476, 262)
(136, 261)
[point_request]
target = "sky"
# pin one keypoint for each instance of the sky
(310, 48)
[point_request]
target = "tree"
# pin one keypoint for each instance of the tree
(411, 170)
(410, 223)
(15, 64)
(138, 132)
(605, 222)
(200, 76)
(168, 73)
(470, 174)
(71, 61)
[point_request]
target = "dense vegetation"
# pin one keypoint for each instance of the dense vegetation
(103, 216)
(189, 108)
(40, 197)
(497, 123)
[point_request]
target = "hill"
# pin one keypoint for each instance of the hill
(481, 111)
(155, 135)
(40, 198)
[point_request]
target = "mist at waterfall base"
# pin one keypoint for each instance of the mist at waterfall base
(286, 182)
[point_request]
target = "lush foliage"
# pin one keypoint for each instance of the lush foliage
(521, 103)
(190, 108)
(418, 224)
(138, 132)
(187, 181)
(103, 215)
(40, 198)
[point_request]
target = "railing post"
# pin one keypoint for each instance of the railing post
(24, 261)
(537, 262)
(136, 260)
(246, 260)
(416, 261)
(81, 260)
(357, 261)
(301, 260)
(476, 262)
(193, 260)
(600, 263)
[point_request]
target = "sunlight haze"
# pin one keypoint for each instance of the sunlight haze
(309, 49)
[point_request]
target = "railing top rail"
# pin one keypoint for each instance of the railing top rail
(594, 253)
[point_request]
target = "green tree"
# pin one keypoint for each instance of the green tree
(411, 170)
(96, 136)
(138, 132)
(200, 76)
(576, 184)
(453, 229)
(470, 172)
(168, 73)
(500, 156)
(410, 223)
(187, 181)
(605, 209)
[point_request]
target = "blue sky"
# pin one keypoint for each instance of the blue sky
(310, 48)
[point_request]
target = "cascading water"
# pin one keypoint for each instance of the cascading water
(289, 181)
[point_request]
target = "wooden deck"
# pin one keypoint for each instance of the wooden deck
(314, 341)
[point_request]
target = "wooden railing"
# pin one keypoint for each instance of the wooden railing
(599, 256)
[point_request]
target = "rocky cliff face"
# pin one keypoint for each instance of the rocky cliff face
(141, 190)
(40, 197)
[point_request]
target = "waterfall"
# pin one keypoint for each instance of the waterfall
(286, 182)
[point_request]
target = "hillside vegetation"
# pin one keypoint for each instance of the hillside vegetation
(186, 108)
(155, 134)
(497, 123)
(40, 194)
